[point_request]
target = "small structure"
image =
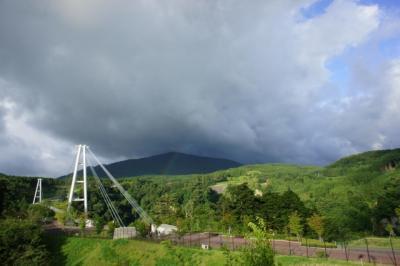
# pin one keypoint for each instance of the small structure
(89, 223)
(205, 246)
(125, 233)
(166, 229)
(153, 229)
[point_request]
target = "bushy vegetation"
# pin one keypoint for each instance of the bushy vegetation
(21, 243)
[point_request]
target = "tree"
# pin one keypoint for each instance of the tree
(21, 243)
(142, 228)
(99, 223)
(227, 220)
(240, 201)
(389, 229)
(82, 224)
(397, 211)
(111, 227)
(290, 202)
(259, 253)
(40, 213)
(295, 226)
(271, 210)
(316, 223)
(385, 209)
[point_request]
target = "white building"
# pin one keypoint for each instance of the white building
(166, 229)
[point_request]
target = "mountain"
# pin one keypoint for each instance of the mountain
(171, 163)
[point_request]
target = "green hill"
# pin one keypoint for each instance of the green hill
(364, 173)
(371, 162)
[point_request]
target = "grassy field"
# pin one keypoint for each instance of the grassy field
(98, 252)
(376, 242)
(303, 261)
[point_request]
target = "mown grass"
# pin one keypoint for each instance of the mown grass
(303, 261)
(99, 252)
(376, 242)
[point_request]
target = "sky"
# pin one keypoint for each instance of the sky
(291, 81)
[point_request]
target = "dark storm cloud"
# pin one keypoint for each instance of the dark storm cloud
(231, 79)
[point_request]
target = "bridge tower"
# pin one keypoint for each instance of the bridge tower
(80, 161)
(38, 192)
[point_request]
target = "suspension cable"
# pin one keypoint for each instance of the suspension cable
(106, 198)
(145, 217)
(108, 202)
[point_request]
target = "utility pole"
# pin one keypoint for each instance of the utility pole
(38, 192)
(80, 160)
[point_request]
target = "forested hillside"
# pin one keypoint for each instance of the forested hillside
(354, 196)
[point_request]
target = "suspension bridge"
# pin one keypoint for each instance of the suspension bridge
(78, 191)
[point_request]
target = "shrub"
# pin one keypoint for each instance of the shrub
(260, 251)
(321, 254)
(317, 243)
(40, 213)
(111, 227)
(21, 243)
(99, 223)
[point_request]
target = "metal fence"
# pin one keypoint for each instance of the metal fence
(295, 248)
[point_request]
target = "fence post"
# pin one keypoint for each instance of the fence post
(366, 243)
(273, 244)
(394, 255)
(199, 240)
(345, 251)
(307, 246)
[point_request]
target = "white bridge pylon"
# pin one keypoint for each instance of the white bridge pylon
(80, 160)
(38, 192)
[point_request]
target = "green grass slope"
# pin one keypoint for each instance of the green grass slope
(98, 252)
(363, 174)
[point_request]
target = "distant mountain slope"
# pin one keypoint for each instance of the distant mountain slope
(366, 163)
(172, 163)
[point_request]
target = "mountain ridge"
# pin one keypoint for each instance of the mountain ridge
(169, 163)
